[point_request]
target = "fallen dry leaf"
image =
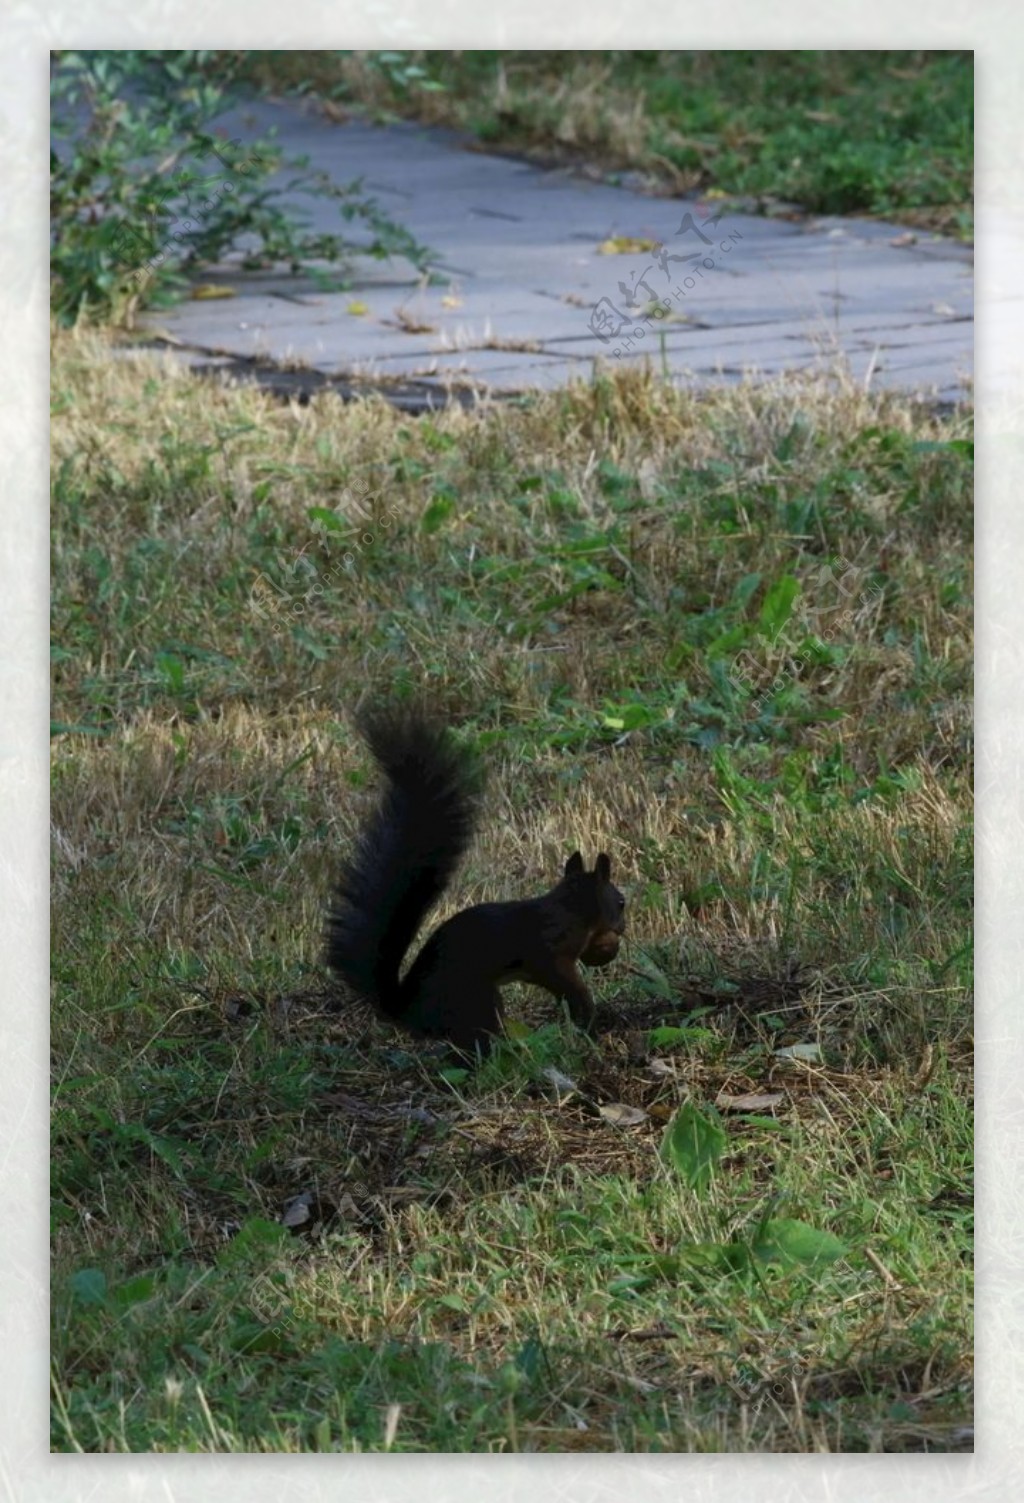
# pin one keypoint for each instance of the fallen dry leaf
(204, 291)
(625, 245)
(620, 1115)
(751, 1103)
(809, 1053)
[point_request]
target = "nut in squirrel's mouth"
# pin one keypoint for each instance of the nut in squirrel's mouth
(601, 949)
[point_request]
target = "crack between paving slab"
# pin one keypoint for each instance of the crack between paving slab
(408, 392)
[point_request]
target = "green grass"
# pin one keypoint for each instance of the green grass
(888, 134)
(725, 638)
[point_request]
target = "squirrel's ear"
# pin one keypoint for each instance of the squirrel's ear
(574, 866)
(603, 868)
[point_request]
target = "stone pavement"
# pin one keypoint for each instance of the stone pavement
(543, 272)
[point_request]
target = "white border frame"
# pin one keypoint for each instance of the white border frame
(27, 1470)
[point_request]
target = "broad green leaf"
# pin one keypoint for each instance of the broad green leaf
(795, 1244)
(667, 1035)
(325, 517)
(777, 606)
(164, 1148)
(257, 1240)
(454, 1302)
(728, 641)
(455, 1074)
(134, 1291)
(437, 513)
(716, 1257)
(746, 588)
(693, 1145)
(89, 1286)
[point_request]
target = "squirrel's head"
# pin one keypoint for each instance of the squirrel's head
(602, 906)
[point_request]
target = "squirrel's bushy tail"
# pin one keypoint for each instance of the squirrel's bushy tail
(405, 855)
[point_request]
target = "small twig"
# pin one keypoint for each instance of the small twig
(883, 1272)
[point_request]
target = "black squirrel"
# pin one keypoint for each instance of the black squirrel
(404, 859)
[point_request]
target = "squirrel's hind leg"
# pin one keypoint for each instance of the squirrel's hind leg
(473, 1034)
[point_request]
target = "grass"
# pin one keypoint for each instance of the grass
(888, 134)
(725, 638)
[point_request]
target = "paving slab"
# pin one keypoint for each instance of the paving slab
(539, 274)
